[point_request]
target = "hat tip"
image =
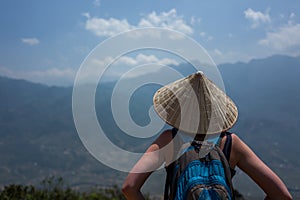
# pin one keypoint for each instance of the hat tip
(200, 72)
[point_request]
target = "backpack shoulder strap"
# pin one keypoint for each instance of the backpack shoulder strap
(174, 132)
(228, 143)
(227, 149)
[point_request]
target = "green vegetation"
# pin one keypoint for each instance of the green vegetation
(55, 189)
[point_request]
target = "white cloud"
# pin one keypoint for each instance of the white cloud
(96, 2)
(140, 59)
(221, 57)
(194, 20)
(112, 26)
(126, 60)
(54, 72)
(285, 39)
(291, 18)
(143, 59)
(148, 63)
(257, 17)
(292, 15)
(218, 52)
(86, 14)
(66, 76)
(52, 76)
(166, 20)
(30, 41)
(202, 34)
(209, 38)
(106, 27)
(206, 36)
(126, 63)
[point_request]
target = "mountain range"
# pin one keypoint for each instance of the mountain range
(38, 137)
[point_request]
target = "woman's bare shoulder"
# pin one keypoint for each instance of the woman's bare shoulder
(234, 153)
(236, 141)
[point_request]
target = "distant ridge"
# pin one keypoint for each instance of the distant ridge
(38, 137)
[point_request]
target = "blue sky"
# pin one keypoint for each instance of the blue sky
(46, 41)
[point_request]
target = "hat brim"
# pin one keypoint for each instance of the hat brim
(195, 105)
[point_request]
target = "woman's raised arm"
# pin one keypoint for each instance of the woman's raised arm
(149, 162)
(268, 181)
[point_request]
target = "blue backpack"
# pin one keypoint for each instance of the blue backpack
(191, 177)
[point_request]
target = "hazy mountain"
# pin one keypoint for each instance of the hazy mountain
(268, 95)
(38, 136)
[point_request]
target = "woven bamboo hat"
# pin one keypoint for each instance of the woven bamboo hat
(195, 105)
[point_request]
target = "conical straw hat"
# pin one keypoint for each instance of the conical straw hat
(195, 105)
